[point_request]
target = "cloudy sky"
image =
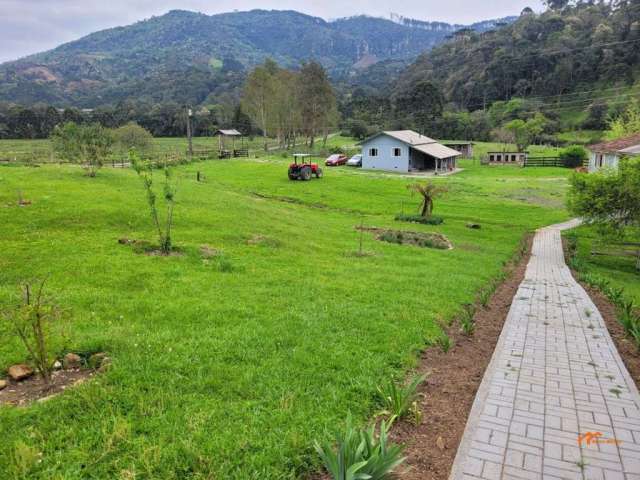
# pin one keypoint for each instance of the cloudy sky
(30, 26)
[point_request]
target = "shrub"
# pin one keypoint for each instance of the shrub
(131, 136)
(420, 219)
(358, 454)
(37, 323)
(399, 400)
(574, 156)
(88, 145)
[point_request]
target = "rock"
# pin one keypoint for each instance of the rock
(440, 443)
(474, 226)
(71, 361)
(57, 365)
(3, 384)
(97, 359)
(20, 372)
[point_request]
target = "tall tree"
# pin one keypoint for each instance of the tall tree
(317, 101)
(258, 97)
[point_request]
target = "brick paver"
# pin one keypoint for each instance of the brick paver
(555, 375)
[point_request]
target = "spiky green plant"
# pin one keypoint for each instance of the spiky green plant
(626, 315)
(445, 343)
(398, 400)
(360, 454)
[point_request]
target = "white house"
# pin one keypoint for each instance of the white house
(407, 151)
(608, 154)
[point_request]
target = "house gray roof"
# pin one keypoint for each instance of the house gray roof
(616, 146)
(437, 150)
(419, 142)
(634, 150)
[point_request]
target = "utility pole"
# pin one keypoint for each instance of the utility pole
(189, 130)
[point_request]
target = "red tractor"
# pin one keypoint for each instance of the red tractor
(302, 168)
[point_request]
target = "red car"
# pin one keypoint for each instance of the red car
(335, 160)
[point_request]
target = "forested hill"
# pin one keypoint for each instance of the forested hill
(575, 47)
(186, 57)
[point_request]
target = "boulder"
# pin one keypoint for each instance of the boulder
(474, 226)
(20, 372)
(72, 361)
(3, 384)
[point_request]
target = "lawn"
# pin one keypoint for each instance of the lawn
(231, 367)
(619, 271)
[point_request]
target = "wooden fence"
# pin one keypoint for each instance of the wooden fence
(549, 162)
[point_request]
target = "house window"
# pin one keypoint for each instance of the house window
(397, 152)
(513, 158)
(599, 160)
(492, 158)
(373, 152)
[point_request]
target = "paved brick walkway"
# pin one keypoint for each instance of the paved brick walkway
(555, 375)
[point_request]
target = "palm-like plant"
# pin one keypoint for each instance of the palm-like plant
(428, 191)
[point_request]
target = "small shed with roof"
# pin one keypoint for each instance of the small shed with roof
(223, 147)
(407, 151)
(608, 154)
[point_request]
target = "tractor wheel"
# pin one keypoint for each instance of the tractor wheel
(305, 173)
(319, 173)
(292, 175)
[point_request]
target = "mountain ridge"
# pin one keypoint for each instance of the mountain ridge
(188, 56)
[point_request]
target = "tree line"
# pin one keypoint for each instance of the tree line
(162, 120)
(290, 104)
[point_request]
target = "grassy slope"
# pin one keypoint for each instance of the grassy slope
(232, 375)
(619, 271)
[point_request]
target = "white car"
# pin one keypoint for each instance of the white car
(355, 161)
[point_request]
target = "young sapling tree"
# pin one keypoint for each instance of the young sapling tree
(162, 223)
(38, 324)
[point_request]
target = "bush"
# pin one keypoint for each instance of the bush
(38, 324)
(131, 136)
(88, 145)
(420, 219)
(574, 156)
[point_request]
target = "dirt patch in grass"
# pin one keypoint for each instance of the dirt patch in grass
(452, 385)
(626, 347)
(147, 248)
(297, 201)
(34, 388)
(402, 237)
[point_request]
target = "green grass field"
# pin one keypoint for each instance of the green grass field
(231, 368)
(619, 270)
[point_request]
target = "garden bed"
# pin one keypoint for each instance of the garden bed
(418, 239)
(32, 389)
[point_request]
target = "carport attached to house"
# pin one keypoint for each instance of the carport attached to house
(432, 156)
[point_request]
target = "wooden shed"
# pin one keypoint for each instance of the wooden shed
(223, 147)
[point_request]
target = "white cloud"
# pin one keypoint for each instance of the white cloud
(31, 26)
